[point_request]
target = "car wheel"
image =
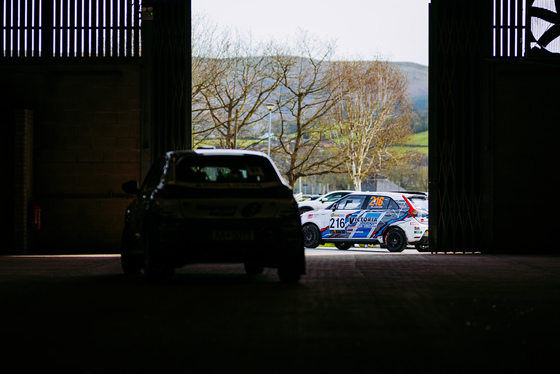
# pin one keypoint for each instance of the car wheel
(155, 268)
(129, 264)
(311, 235)
(343, 246)
(395, 240)
(253, 268)
(289, 273)
(421, 247)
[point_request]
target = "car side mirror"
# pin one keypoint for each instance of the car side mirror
(131, 187)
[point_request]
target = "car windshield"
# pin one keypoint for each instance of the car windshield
(225, 169)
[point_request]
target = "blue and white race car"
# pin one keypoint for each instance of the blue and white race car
(392, 219)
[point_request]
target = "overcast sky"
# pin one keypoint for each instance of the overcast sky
(396, 30)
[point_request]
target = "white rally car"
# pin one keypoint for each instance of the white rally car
(393, 219)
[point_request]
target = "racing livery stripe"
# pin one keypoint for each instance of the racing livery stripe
(384, 228)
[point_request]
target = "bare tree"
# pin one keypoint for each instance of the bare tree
(330, 117)
(372, 119)
(304, 99)
(232, 103)
(208, 51)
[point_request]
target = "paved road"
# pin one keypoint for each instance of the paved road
(355, 311)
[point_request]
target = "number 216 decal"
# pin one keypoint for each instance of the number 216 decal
(337, 223)
(376, 201)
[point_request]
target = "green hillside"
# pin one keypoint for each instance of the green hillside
(421, 139)
(417, 76)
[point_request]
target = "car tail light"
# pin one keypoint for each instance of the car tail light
(411, 210)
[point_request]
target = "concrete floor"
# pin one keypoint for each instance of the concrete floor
(355, 311)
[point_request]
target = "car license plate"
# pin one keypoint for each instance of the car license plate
(233, 235)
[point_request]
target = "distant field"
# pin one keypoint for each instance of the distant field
(421, 139)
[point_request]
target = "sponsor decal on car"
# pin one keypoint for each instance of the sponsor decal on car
(368, 219)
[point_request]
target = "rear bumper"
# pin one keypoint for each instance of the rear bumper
(424, 239)
(270, 243)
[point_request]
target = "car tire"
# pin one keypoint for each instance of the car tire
(288, 273)
(343, 246)
(129, 264)
(311, 236)
(421, 247)
(155, 269)
(253, 268)
(395, 240)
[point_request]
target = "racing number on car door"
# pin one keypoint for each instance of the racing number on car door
(337, 223)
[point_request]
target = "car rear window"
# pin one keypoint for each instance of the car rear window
(420, 203)
(225, 169)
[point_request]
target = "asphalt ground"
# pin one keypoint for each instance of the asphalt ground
(355, 311)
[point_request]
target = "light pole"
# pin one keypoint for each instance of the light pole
(270, 108)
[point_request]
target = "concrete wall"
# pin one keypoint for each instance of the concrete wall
(86, 143)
